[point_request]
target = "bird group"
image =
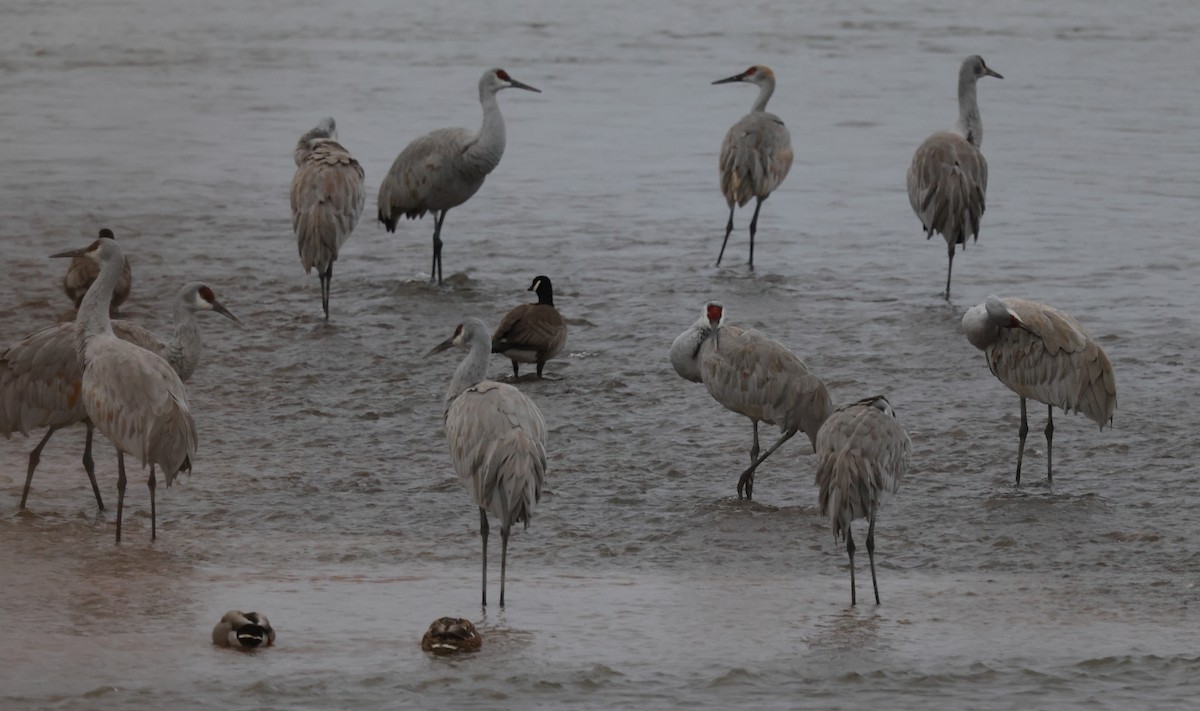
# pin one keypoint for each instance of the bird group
(116, 377)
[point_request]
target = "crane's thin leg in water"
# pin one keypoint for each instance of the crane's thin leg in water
(483, 534)
(120, 491)
(753, 229)
(871, 555)
(949, 268)
(728, 229)
(747, 479)
(152, 483)
(89, 465)
(516, 370)
(437, 246)
(326, 280)
(34, 457)
(850, 552)
(1049, 444)
(754, 447)
(503, 560)
(1023, 431)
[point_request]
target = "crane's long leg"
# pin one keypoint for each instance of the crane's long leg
(871, 554)
(120, 490)
(754, 447)
(1023, 431)
(439, 218)
(326, 281)
(503, 560)
(516, 370)
(89, 465)
(850, 552)
(949, 268)
(483, 534)
(152, 483)
(747, 479)
(728, 229)
(34, 457)
(1049, 444)
(753, 229)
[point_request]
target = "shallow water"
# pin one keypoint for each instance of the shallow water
(323, 493)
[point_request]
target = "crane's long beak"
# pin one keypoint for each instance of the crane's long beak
(726, 80)
(71, 253)
(518, 85)
(987, 71)
(220, 308)
(444, 345)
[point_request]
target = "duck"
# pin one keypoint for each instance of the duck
(451, 635)
(245, 630)
(532, 333)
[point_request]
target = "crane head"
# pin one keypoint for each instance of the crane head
(975, 66)
(496, 79)
(714, 311)
(756, 74)
(103, 249)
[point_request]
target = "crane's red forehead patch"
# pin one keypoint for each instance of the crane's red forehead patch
(458, 331)
(500, 73)
(207, 294)
(714, 312)
(750, 71)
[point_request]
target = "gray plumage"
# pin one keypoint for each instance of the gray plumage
(327, 200)
(41, 376)
(497, 441)
(444, 168)
(1043, 354)
(947, 181)
(532, 333)
(243, 630)
(82, 272)
(755, 376)
(864, 453)
(132, 395)
(756, 154)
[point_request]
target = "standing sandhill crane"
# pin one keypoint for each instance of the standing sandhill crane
(756, 154)
(132, 395)
(755, 376)
(444, 168)
(864, 454)
(41, 375)
(532, 333)
(497, 440)
(327, 200)
(82, 272)
(947, 181)
(1043, 354)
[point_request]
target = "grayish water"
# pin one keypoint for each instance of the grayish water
(323, 493)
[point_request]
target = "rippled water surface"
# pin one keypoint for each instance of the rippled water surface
(323, 493)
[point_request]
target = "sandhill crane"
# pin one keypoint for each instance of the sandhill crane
(947, 181)
(82, 272)
(327, 200)
(1043, 354)
(756, 154)
(451, 635)
(497, 441)
(444, 168)
(246, 630)
(532, 333)
(41, 375)
(755, 376)
(132, 395)
(864, 454)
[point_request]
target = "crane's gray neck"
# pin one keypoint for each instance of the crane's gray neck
(969, 124)
(473, 368)
(93, 318)
(485, 152)
(685, 351)
(764, 95)
(183, 352)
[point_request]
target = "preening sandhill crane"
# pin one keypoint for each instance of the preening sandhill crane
(532, 333)
(756, 154)
(864, 454)
(755, 376)
(947, 181)
(327, 200)
(41, 375)
(245, 630)
(82, 272)
(497, 441)
(444, 168)
(132, 395)
(1043, 354)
